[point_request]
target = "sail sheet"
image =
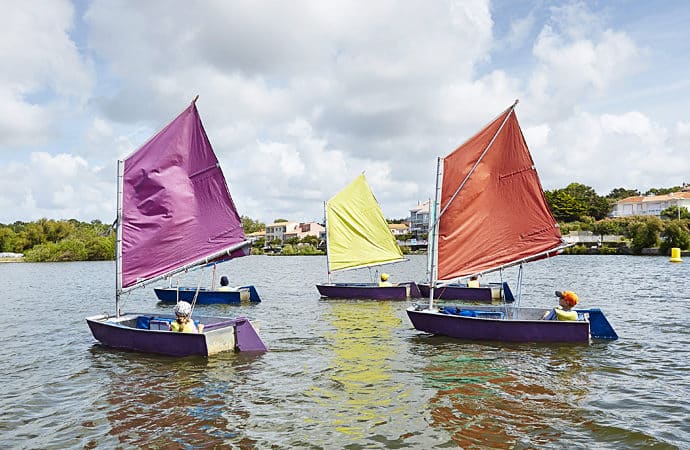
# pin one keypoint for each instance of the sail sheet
(358, 234)
(176, 207)
(500, 216)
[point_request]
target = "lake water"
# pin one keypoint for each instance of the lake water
(348, 374)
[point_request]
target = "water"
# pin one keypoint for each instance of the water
(348, 374)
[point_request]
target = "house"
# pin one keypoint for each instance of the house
(398, 229)
(281, 231)
(287, 230)
(651, 205)
(419, 219)
(311, 229)
(255, 236)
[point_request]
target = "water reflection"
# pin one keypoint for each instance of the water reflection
(360, 393)
(507, 397)
(161, 402)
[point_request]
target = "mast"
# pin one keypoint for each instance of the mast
(433, 233)
(118, 232)
(325, 223)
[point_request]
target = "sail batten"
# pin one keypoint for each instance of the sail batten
(176, 206)
(357, 232)
(499, 216)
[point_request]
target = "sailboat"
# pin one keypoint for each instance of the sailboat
(357, 236)
(490, 213)
(203, 295)
(491, 292)
(174, 213)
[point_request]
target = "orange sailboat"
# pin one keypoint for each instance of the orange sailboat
(490, 213)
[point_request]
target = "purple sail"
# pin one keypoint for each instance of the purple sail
(176, 206)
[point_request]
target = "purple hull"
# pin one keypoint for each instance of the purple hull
(147, 333)
(488, 326)
(484, 294)
(373, 291)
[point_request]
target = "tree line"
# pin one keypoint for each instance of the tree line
(48, 240)
(575, 207)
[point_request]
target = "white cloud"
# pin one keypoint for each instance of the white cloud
(56, 187)
(609, 151)
(42, 71)
(298, 98)
(576, 60)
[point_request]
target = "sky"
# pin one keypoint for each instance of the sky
(300, 97)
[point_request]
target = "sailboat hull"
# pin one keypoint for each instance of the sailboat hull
(485, 294)
(207, 296)
(148, 333)
(401, 291)
(492, 324)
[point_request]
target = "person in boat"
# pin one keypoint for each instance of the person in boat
(473, 281)
(184, 323)
(224, 284)
(567, 301)
(384, 280)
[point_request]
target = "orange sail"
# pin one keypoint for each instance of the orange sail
(493, 212)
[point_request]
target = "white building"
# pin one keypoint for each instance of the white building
(398, 229)
(651, 205)
(281, 231)
(419, 219)
(286, 230)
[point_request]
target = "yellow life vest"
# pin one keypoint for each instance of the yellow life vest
(187, 327)
(385, 284)
(565, 315)
(473, 283)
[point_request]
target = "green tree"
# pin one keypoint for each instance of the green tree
(564, 206)
(621, 193)
(100, 248)
(7, 239)
(311, 240)
(608, 226)
(292, 241)
(288, 249)
(645, 233)
(663, 191)
(675, 234)
(251, 226)
(596, 206)
(672, 212)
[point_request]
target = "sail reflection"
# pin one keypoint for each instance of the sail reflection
(503, 398)
(361, 389)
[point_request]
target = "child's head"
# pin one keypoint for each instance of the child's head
(568, 299)
(183, 310)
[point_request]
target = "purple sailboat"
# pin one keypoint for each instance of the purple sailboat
(174, 213)
(492, 214)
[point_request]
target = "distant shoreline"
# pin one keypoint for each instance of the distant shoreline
(11, 260)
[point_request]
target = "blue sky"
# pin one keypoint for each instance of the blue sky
(300, 97)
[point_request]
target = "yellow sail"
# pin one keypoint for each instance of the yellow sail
(358, 234)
